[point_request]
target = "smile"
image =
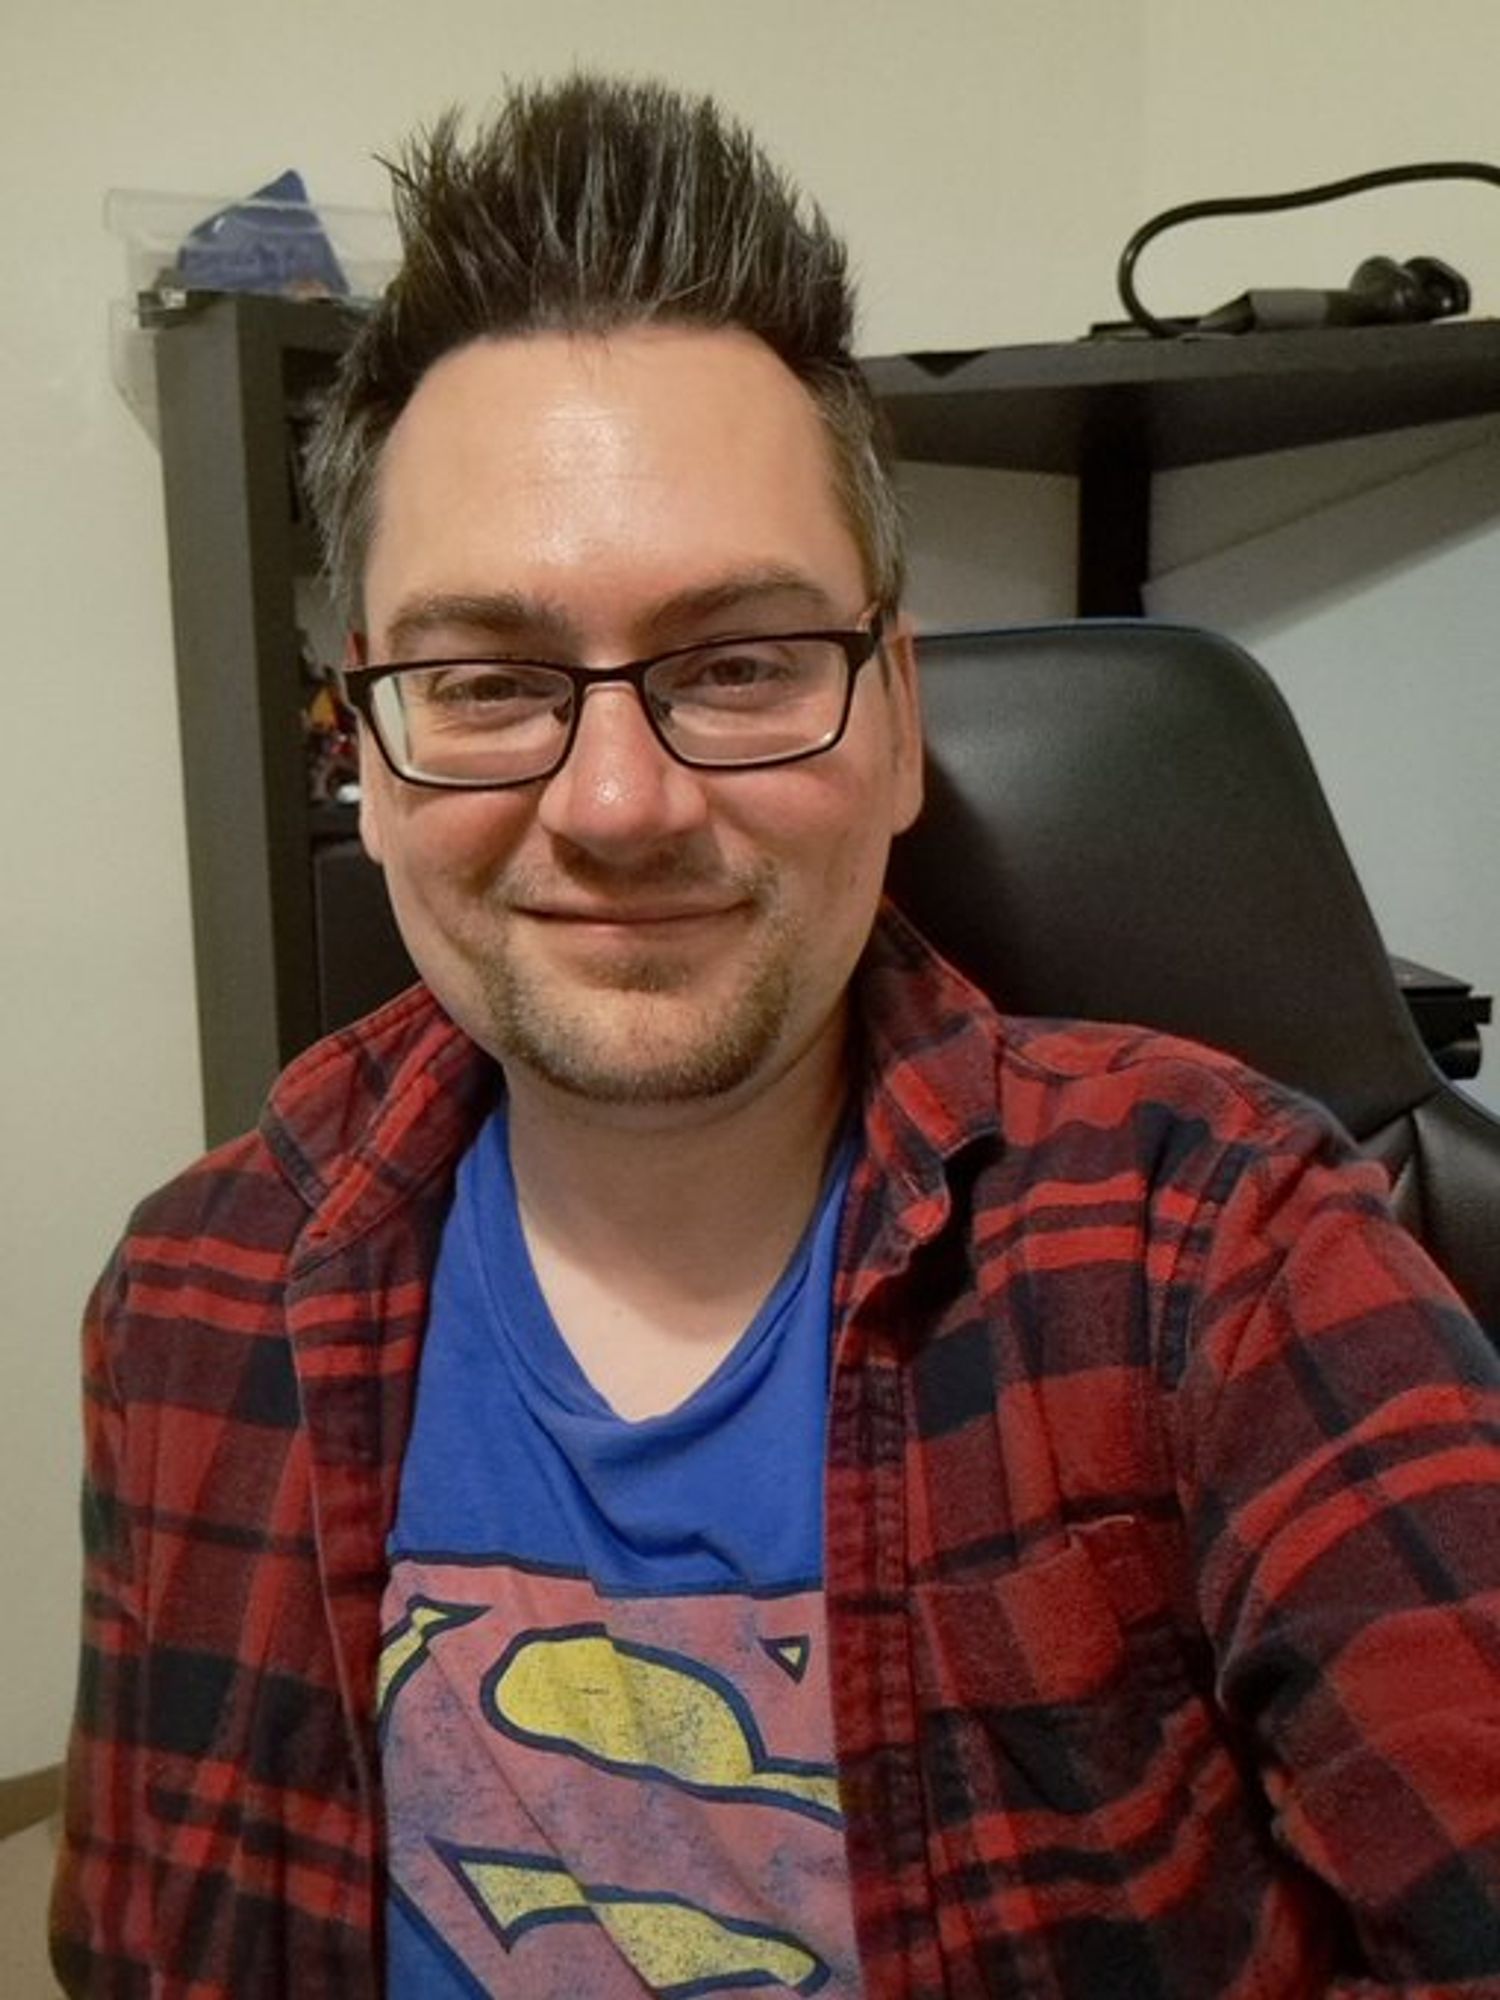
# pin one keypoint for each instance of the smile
(651, 916)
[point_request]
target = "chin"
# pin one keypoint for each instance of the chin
(640, 1046)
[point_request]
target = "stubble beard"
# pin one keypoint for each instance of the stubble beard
(667, 1044)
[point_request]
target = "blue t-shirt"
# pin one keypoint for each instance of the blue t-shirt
(603, 1704)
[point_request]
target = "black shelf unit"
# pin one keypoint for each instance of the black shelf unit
(234, 376)
(292, 935)
(1114, 411)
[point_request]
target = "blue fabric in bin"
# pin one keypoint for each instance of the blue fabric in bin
(272, 242)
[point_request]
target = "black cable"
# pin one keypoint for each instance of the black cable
(1262, 204)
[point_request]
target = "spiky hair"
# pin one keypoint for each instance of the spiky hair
(590, 206)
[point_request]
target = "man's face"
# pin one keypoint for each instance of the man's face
(630, 930)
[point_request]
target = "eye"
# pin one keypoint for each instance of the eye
(743, 672)
(478, 686)
(742, 669)
(465, 698)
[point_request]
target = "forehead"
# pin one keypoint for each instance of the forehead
(605, 470)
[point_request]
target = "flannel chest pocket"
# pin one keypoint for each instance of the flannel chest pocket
(1060, 1686)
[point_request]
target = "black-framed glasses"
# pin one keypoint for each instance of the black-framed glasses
(734, 704)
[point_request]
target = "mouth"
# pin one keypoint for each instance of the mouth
(632, 916)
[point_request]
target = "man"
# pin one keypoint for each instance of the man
(688, 1455)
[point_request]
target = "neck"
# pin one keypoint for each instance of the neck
(656, 1232)
(660, 1174)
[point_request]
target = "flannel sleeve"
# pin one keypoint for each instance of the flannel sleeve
(98, 1915)
(1338, 1441)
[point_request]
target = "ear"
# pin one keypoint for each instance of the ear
(904, 698)
(371, 769)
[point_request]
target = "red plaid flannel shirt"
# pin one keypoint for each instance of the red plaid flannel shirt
(1163, 1532)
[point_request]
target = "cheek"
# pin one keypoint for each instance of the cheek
(373, 780)
(439, 849)
(842, 857)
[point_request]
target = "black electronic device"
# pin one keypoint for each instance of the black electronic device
(1382, 291)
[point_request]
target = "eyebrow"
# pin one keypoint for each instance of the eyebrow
(513, 617)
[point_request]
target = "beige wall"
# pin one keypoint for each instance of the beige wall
(987, 158)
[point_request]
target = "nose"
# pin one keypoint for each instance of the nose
(619, 791)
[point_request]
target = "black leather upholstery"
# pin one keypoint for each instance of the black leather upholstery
(1123, 823)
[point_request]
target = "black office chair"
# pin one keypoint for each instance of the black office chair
(1122, 823)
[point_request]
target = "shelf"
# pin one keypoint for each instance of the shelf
(1183, 402)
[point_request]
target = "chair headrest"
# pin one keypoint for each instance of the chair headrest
(1123, 823)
